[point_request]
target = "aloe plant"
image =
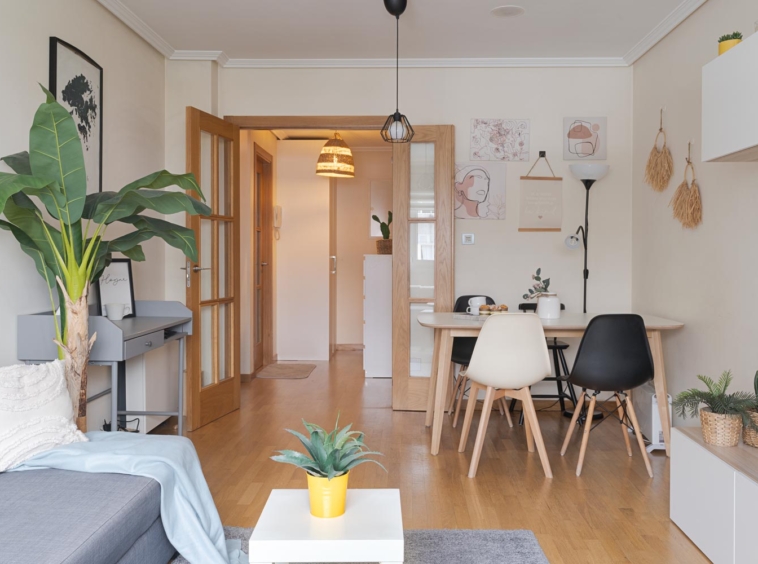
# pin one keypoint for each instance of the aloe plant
(688, 402)
(330, 455)
(385, 227)
(730, 36)
(50, 182)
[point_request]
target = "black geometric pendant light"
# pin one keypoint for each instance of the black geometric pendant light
(397, 128)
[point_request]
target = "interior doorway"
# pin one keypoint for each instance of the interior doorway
(262, 232)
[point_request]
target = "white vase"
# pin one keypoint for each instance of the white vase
(549, 306)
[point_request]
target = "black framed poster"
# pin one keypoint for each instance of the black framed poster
(115, 286)
(76, 81)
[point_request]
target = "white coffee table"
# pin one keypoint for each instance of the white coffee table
(371, 530)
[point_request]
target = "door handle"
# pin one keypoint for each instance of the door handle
(334, 264)
(198, 269)
(264, 264)
(187, 269)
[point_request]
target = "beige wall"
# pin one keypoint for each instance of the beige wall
(354, 240)
(133, 137)
(703, 277)
(502, 260)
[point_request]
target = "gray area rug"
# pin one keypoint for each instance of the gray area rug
(286, 371)
(436, 546)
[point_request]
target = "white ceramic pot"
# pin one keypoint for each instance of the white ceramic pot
(549, 306)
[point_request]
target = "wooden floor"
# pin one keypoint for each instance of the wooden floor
(613, 513)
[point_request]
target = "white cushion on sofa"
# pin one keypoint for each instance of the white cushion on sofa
(36, 413)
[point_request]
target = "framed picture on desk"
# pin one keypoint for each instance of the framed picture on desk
(115, 286)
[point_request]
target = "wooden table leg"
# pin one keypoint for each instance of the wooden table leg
(433, 379)
(443, 374)
(656, 347)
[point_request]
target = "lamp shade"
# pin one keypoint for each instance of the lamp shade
(586, 171)
(397, 129)
(336, 159)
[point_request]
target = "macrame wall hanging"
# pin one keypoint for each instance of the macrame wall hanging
(686, 203)
(660, 164)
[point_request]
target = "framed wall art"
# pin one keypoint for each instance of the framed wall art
(76, 81)
(115, 286)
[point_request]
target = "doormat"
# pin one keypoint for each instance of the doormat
(286, 371)
(450, 546)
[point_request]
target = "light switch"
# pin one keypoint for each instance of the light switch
(467, 239)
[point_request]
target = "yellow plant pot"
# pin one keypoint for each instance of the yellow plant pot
(327, 496)
(724, 46)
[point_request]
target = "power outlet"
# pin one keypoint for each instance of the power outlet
(467, 239)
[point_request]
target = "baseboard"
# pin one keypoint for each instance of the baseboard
(349, 347)
(244, 378)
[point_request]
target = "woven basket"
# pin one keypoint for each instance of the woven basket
(750, 436)
(720, 430)
(384, 246)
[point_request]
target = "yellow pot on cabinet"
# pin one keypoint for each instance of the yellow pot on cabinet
(724, 46)
(327, 496)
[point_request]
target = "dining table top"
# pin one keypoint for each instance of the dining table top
(567, 321)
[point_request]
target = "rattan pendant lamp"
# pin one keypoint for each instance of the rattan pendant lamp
(336, 159)
(397, 128)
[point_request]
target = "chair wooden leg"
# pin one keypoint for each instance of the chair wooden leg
(464, 380)
(500, 408)
(586, 435)
(572, 425)
(470, 406)
(528, 428)
(624, 429)
(479, 443)
(454, 394)
(633, 418)
(507, 412)
(531, 414)
(451, 391)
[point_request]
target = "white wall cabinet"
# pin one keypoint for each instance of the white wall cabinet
(714, 495)
(377, 316)
(730, 111)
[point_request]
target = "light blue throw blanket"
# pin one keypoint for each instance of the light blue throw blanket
(188, 513)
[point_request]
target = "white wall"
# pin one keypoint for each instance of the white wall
(133, 137)
(354, 239)
(501, 262)
(302, 264)
(704, 277)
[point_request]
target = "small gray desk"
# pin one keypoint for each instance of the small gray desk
(156, 324)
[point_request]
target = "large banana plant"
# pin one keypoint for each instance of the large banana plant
(63, 229)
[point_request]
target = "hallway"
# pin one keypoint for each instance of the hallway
(613, 513)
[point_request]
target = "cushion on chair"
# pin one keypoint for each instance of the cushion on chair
(58, 516)
(36, 412)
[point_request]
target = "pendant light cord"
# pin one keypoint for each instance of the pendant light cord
(397, 66)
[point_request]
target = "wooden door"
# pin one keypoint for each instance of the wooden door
(422, 264)
(213, 284)
(262, 232)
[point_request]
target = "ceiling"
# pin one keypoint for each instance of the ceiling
(243, 32)
(354, 139)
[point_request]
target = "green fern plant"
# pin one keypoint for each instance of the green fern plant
(330, 455)
(385, 227)
(687, 403)
(730, 36)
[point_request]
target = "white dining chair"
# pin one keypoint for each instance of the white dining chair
(510, 355)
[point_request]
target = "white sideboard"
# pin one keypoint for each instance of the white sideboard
(377, 316)
(714, 496)
(730, 112)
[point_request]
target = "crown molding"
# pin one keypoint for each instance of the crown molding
(527, 62)
(138, 26)
(680, 13)
(187, 55)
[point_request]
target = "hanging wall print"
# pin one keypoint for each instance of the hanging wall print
(541, 206)
(76, 81)
(499, 139)
(479, 191)
(585, 139)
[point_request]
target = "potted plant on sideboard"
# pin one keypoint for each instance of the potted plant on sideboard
(50, 181)
(384, 245)
(728, 41)
(330, 458)
(724, 414)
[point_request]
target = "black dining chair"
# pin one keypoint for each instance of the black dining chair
(556, 349)
(463, 348)
(614, 356)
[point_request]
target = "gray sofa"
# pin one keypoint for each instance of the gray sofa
(57, 516)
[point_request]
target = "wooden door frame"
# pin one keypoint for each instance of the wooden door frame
(267, 250)
(197, 120)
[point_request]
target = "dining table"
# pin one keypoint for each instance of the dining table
(448, 325)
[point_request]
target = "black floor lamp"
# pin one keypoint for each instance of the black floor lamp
(588, 174)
